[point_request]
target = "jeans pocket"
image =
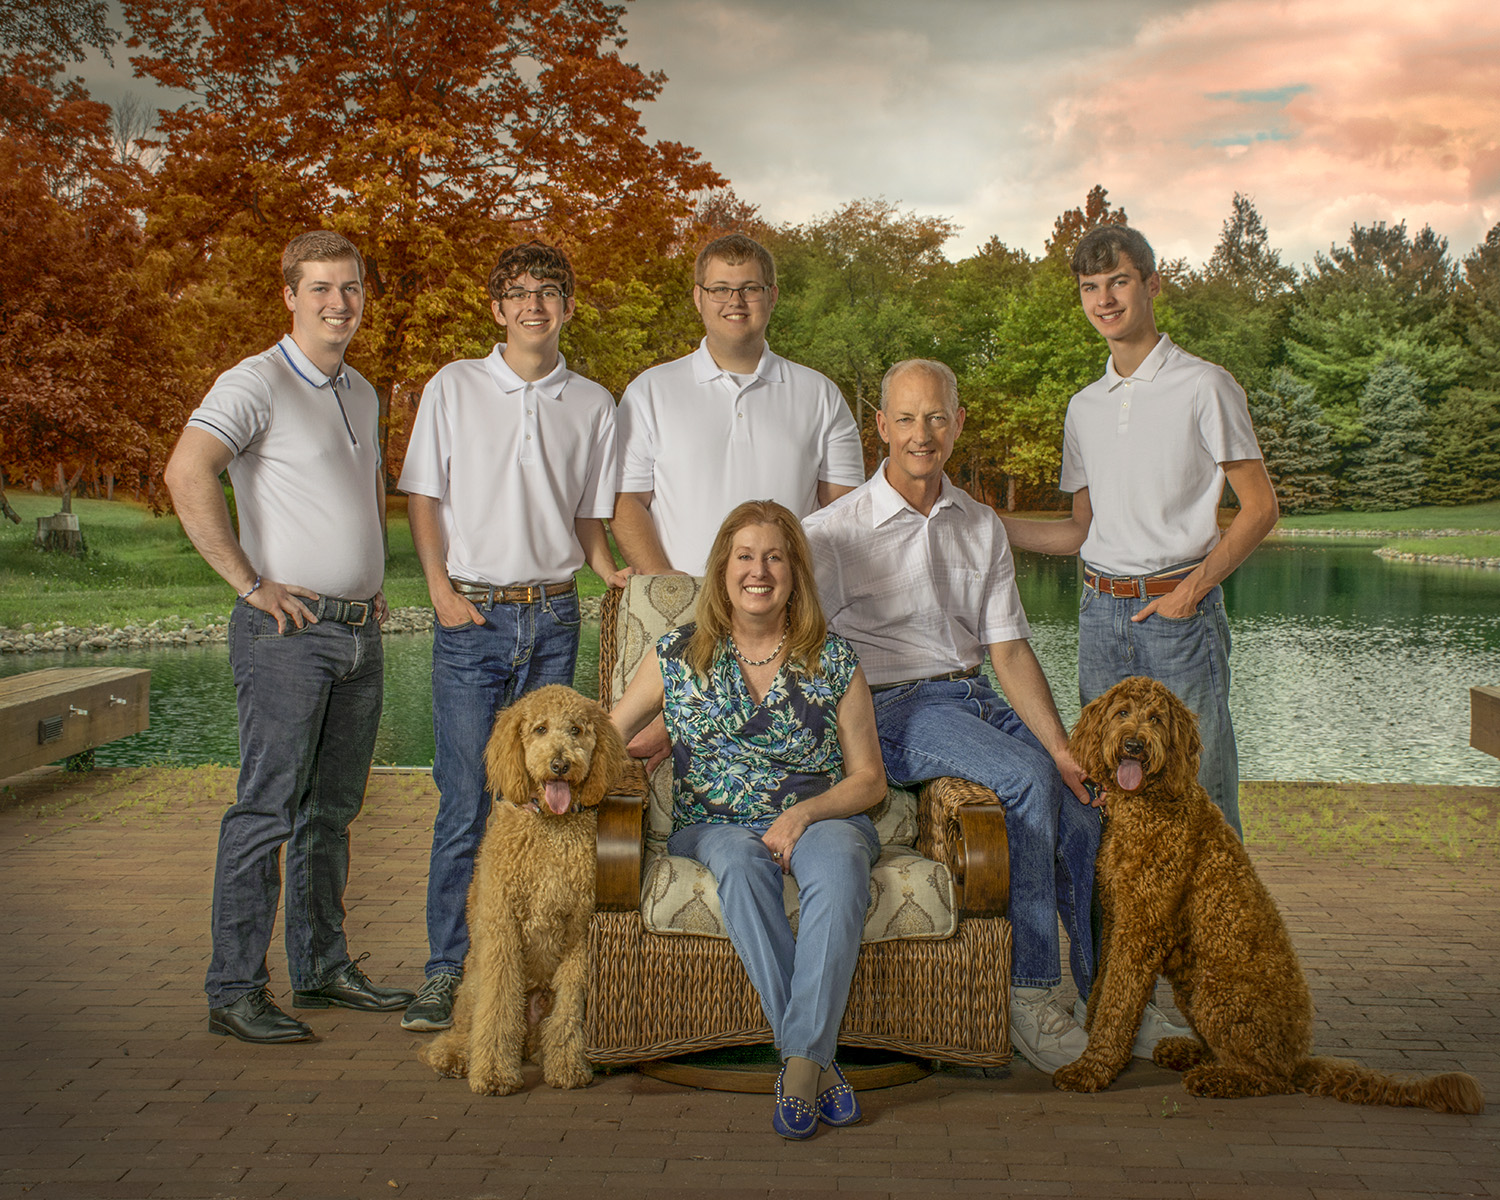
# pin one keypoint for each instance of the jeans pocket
(565, 610)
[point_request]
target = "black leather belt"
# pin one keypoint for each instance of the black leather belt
(347, 612)
(948, 677)
(488, 593)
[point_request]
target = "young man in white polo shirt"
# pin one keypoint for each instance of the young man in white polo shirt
(510, 474)
(730, 422)
(297, 431)
(1146, 451)
(919, 577)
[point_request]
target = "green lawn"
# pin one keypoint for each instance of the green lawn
(140, 567)
(1479, 517)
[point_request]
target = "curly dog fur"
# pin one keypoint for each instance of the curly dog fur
(1181, 899)
(553, 755)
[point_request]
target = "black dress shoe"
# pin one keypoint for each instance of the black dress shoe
(350, 988)
(254, 1017)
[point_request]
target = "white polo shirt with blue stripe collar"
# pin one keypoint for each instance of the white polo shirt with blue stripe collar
(305, 469)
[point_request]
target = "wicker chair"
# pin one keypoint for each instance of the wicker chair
(933, 975)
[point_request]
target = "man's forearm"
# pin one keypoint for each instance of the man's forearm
(1025, 686)
(198, 500)
(1045, 537)
(427, 538)
(635, 534)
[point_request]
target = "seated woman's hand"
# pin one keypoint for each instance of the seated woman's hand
(781, 837)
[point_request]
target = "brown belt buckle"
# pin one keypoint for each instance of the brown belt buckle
(364, 612)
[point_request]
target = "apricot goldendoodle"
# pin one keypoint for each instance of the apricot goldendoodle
(1181, 899)
(552, 757)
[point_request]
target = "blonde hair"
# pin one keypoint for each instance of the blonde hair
(733, 249)
(807, 629)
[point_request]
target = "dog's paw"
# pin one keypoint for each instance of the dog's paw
(1178, 1053)
(1082, 1076)
(568, 1073)
(453, 1064)
(496, 1083)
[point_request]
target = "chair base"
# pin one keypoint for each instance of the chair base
(753, 1069)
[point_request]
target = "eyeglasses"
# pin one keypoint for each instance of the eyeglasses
(541, 293)
(721, 294)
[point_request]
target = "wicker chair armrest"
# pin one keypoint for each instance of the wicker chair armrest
(962, 825)
(617, 882)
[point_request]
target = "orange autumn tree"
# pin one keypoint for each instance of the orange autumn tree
(431, 135)
(88, 395)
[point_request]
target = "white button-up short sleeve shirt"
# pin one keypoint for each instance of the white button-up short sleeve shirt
(703, 441)
(917, 596)
(512, 464)
(1149, 448)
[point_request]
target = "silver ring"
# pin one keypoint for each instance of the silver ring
(775, 853)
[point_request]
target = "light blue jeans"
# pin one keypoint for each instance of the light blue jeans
(803, 981)
(962, 728)
(1190, 656)
(476, 671)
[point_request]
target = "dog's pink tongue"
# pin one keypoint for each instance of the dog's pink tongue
(559, 795)
(1128, 774)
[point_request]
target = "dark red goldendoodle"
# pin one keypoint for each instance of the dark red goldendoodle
(1181, 899)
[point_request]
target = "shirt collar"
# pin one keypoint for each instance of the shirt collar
(309, 373)
(1144, 373)
(886, 502)
(705, 370)
(549, 385)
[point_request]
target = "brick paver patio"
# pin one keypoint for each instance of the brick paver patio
(112, 1087)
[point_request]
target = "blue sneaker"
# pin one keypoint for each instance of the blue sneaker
(838, 1104)
(793, 1117)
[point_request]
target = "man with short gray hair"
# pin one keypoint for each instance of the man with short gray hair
(918, 575)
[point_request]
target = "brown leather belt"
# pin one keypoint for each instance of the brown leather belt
(484, 593)
(1137, 587)
(969, 673)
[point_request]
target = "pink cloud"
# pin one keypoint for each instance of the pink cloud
(1325, 112)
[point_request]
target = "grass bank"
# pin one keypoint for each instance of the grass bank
(140, 567)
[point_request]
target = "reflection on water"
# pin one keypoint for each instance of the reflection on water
(1344, 667)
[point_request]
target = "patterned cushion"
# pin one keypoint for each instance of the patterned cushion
(910, 897)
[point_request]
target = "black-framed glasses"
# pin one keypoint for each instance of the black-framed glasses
(722, 293)
(550, 293)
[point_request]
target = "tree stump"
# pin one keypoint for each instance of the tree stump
(60, 532)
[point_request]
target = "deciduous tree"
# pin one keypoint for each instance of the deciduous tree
(430, 134)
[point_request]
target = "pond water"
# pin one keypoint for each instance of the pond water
(1345, 667)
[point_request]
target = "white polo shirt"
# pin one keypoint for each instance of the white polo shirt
(704, 442)
(512, 464)
(305, 468)
(917, 596)
(1149, 449)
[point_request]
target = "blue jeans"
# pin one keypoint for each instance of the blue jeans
(803, 982)
(962, 728)
(309, 707)
(476, 671)
(1190, 656)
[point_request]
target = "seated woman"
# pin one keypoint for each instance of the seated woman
(774, 756)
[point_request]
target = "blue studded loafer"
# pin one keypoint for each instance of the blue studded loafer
(793, 1117)
(838, 1105)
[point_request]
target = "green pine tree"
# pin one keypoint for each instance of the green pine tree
(1386, 467)
(1463, 464)
(1300, 455)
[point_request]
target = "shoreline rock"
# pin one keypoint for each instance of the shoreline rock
(209, 629)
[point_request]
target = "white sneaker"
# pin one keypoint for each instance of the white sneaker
(1154, 1027)
(1041, 1029)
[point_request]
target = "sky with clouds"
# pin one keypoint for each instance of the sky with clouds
(999, 114)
